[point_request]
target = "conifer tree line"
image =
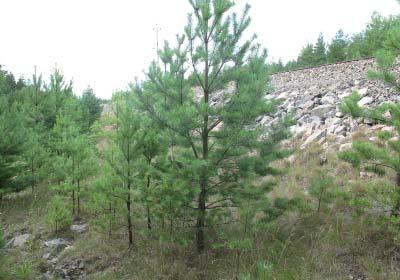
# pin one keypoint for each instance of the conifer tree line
(180, 153)
(33, 115)
(342, 47)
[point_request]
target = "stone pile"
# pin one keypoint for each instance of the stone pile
(314, 96)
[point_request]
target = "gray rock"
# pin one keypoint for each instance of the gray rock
(266, 120)
(339, 114)
(365, 101)
(48, 276)
(368, 121)
(322, 111)
(57, 244)
(328, 99)
(53, 261)
(306, 105)
(363, 91)
(19, 241)
(316, 136)
(340, 130)
(47, 256)
(79, 228)
(81, 264)
(323, 160)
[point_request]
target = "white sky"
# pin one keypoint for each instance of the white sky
(105, 44)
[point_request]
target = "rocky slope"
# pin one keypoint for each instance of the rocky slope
(315, 94)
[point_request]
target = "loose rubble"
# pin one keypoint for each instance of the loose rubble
(314, 96)
(59, 267)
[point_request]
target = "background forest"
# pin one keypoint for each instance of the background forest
(163, 182)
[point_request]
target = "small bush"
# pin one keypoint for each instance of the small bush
(23, 271)
(321, 188)
(58, 213)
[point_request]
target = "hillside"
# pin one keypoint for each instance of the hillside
(212, 166)
(341, 245)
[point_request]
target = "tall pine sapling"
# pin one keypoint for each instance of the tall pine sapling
(321, 189)
(154, 153)
(209, 92)
(320, 51)
(126, 137)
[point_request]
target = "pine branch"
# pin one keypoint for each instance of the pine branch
(382, 164)
(216, 202)
(192, 145)
(194, 66)
(214, 125)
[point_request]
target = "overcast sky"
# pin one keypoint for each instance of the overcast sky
(106, 43)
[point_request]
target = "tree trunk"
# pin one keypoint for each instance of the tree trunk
(204, 176)
(78, 198)
(32, 173)
(201, 207)
(110, 219)
(200, 222)
(148, 218)
(73, 202)
(129, 199)
(398, 179)
(129, 218)
(73, 186)
(397, 206)
(148, 206)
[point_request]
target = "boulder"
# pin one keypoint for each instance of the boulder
(79, 228)
(306, 105)
(339, 114)
(365, 101)
(321, 111)
(363, 91)
(266, 120)
(344, 95)
(328, 99)
(316, 136)
(56, 245)
(19, 241)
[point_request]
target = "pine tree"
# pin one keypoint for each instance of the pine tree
(104, 201)
(277, 67)
(57, 93)
(72, 161)
(58, 213)
(91, 108)
(337, 49)
(320, 51)
(153, 151)
(11, 146)
(35, 154)
(306, 57)
(322, 189)
(126, 142)
(209, 92)
(84, 166)
(35, 158)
